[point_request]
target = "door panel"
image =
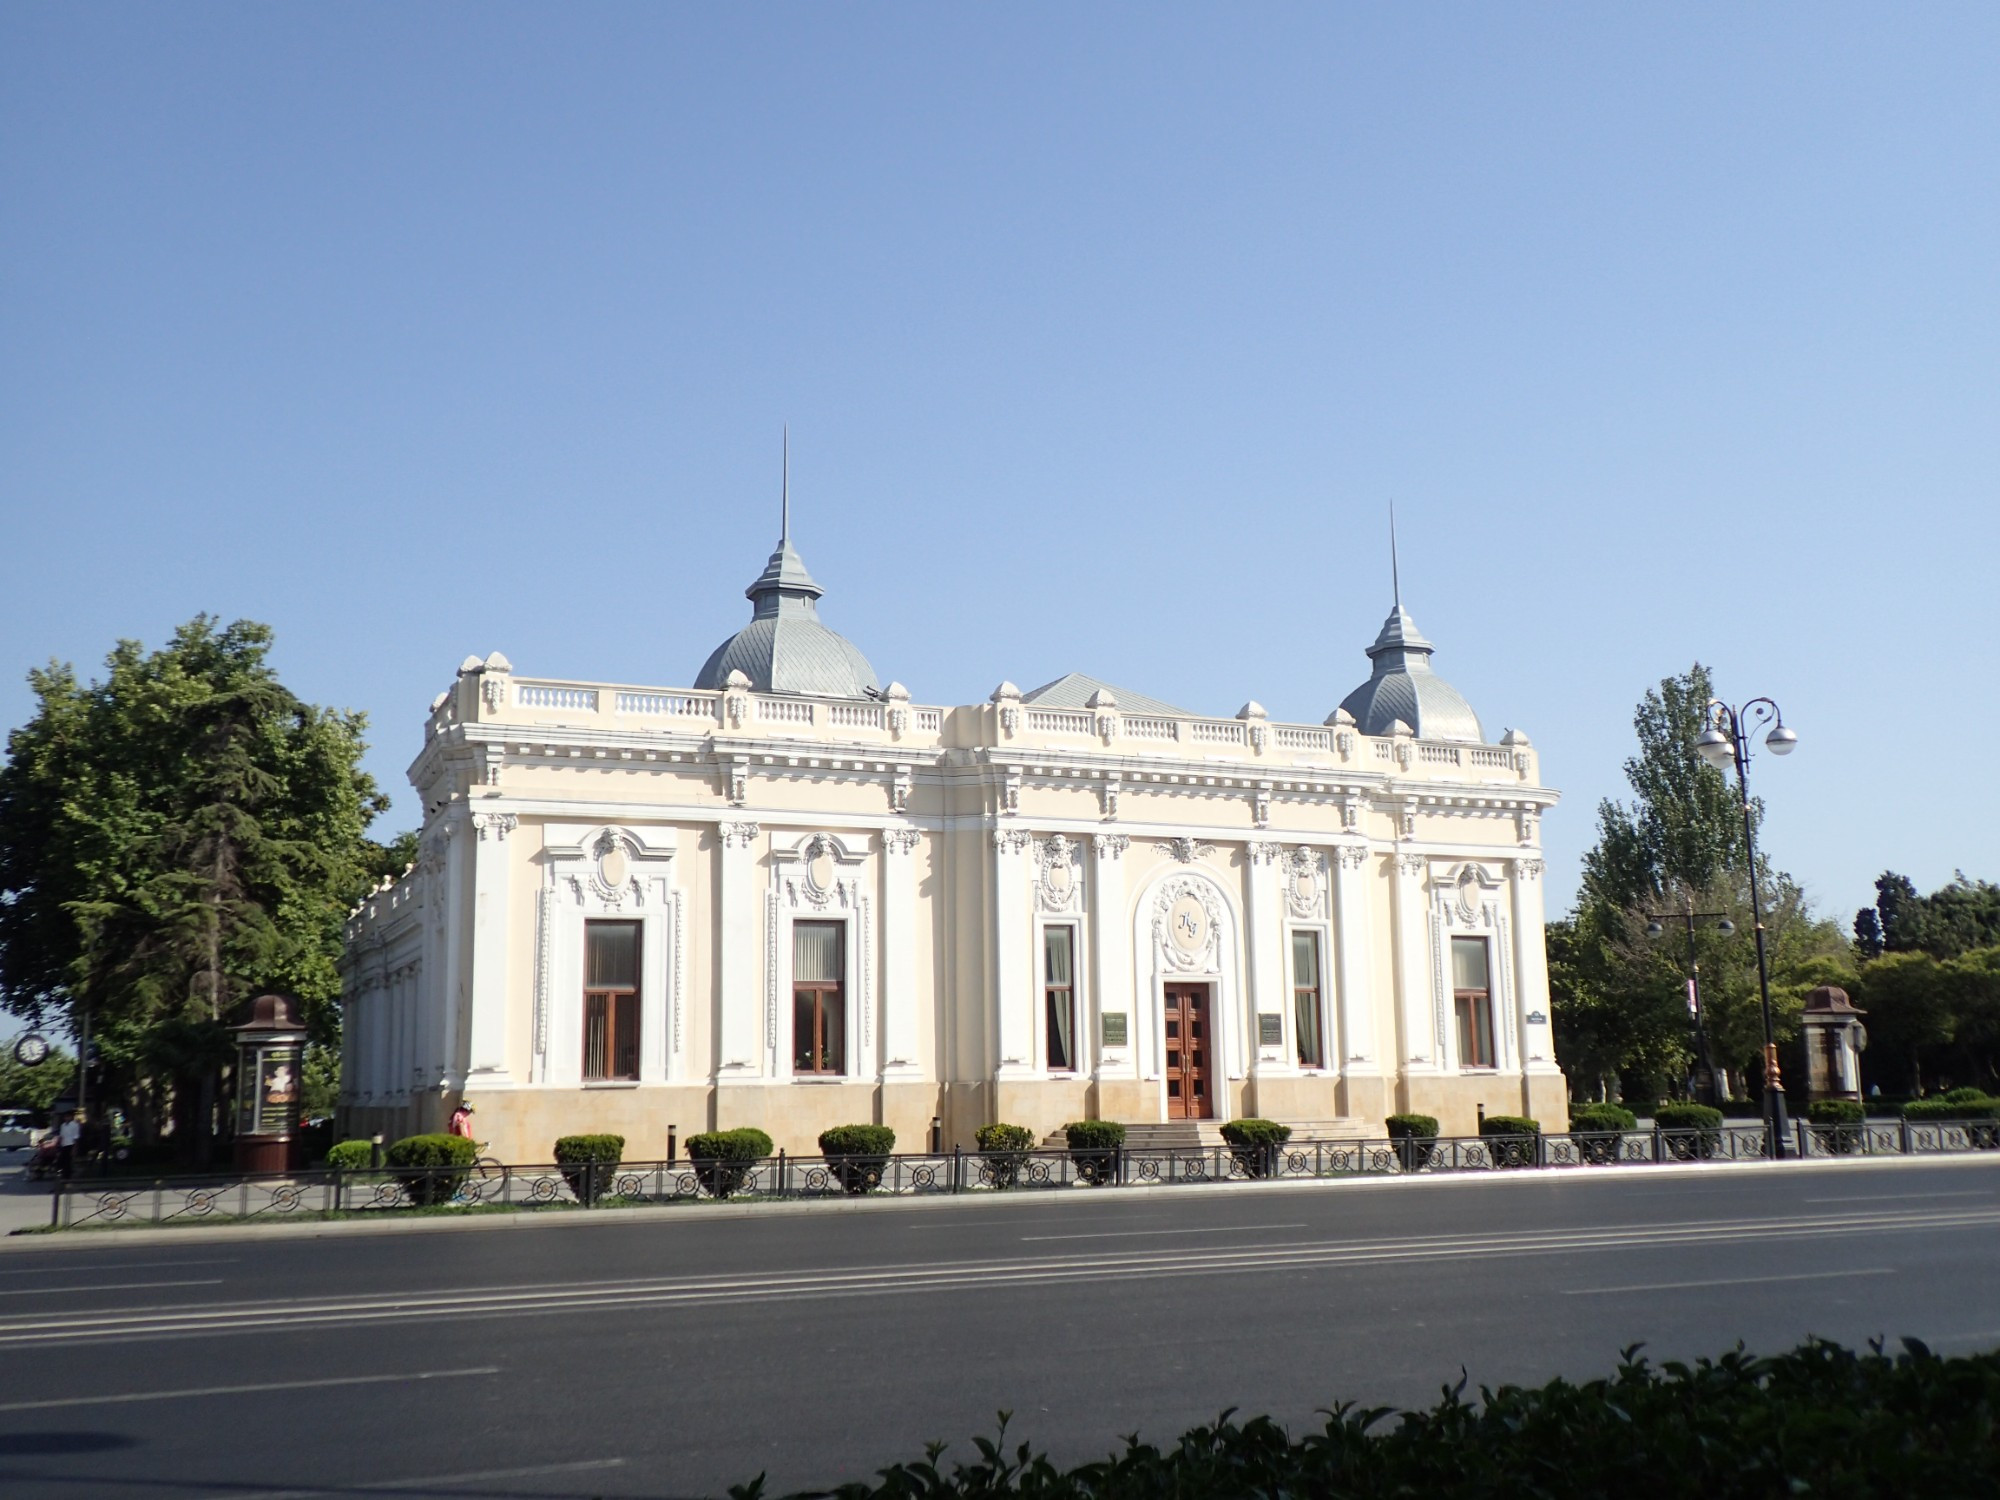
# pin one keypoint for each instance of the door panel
(1188, 1039)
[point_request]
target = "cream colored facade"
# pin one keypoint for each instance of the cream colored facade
(1182, 850)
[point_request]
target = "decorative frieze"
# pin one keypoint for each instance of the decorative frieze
(737, 835)
(495, 826)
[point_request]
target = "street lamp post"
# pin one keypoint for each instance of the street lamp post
(1688, 916)
(1727, 739)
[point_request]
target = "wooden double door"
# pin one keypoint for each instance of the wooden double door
(1189, 1049)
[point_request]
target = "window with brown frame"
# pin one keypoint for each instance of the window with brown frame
(1472, 994)
(819, 1000)
(610, 1002)
(1305, 1000)
(1059, 997)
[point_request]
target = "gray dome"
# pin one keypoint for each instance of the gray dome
(785, 648)
(1404, 687)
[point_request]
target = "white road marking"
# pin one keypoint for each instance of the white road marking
(244, 1390)
(1124, 1234)
(69, 1267)
(205, 1319)
(1894, 1197)
(582, 1467)
(1675, 1286)
(108, 1286)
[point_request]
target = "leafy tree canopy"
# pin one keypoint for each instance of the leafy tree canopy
(1954, 919)
(178, 836)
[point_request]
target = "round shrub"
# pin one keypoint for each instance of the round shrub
(432, 1168)
(1003, 1150)
(1593, 1117)
(1836, 1112)
(857, 1154)
(1415, 1137)
(1599, 1131)
(1509, 1125)
(351, 1156)
(1687, 1117)
(586, 1162)
(1701, 1118)
(1515, 1138)
(1963, 1095)
(724, 1159)
(1254, 1143)
(1093, 1148)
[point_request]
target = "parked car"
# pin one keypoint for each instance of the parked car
(17, 1129)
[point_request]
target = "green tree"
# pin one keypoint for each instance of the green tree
(173, 839)
(37, 1087)
(1956, 918)
(1619, 995)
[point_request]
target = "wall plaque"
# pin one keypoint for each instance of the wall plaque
(1270, 1029)
(1114, 1028)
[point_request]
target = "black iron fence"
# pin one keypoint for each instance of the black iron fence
(488, 1185)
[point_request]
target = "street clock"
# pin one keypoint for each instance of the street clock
(31, 1050)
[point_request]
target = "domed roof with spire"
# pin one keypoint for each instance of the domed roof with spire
(785, 648)
(1404, 687)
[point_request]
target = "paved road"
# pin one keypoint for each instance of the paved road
(670, 1358)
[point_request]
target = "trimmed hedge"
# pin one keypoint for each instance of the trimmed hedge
(447, 1158)
(1688, 1117)
(1509, 1125)
(1093, 1148)
(1415, 1137)
(1946, 1108)
(1004, 1149)
(1836, 1112)
(1602, 1130)
(1254, 1144)
(583, 1159)
(1820, 1420)
(1964, 1094)
(1602, 1117)
(857, 1154)
(351, 1156)
(724, 1159)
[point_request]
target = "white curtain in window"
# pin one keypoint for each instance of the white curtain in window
(816, 952)
(1468, 964)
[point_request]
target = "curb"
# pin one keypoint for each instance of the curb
(81, 1239)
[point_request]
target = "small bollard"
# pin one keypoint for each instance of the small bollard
(375, 1152)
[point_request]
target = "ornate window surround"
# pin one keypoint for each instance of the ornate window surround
(1466, 901)
(821, 877)
(597, 871)
(1060, 901)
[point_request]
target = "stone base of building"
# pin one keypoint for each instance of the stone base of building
(1456, 1101)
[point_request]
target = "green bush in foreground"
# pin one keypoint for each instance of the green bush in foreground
(857, 1154)
(1819, 1421)
(724, 1159)
(438, 1164)
(1836, 1112)
(351, 1156)
(1411, 1127)
(1590, 1117)
(587, 1162)
(1945, 1107)
(1509, 1125)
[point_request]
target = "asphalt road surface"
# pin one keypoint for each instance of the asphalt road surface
(673, 1357)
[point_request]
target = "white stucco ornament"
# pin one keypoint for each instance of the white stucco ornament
(1187, 924)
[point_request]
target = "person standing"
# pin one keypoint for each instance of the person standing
(67, 1137)
(461, 1121)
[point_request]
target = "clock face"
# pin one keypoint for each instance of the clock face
(31, 1049)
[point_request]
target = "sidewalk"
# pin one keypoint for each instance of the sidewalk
(944, 1202)
(23, 1204)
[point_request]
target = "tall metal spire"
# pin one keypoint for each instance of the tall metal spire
(1395, 573)
(785, 492)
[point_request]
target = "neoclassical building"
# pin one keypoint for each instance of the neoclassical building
(790, 897)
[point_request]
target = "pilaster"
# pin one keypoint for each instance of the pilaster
(1415, 985)
(740, 1029)
(1111, 950)
(1268, 988)
(1014, 961)
(901, 1061)
(487, 1023)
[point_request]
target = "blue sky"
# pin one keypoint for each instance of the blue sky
(1105, 336)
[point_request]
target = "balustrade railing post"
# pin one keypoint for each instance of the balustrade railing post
(1805, 1138)
(958, 1169)
(339, 1195)
(782, 1174)
(1903, 1136)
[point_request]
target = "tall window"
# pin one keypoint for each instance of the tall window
(1059, 996)
(610, 1001)
(1305, 999)
(819, 1001)
(1472, 992)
